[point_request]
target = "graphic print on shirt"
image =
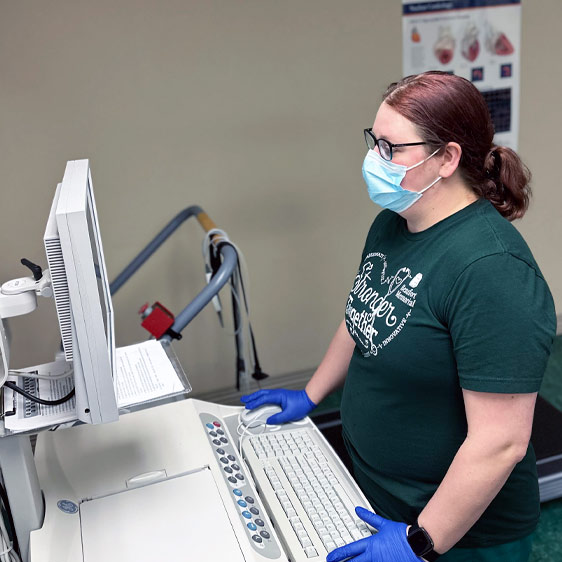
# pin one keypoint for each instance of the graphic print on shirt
(379, 304)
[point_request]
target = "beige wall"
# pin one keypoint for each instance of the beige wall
(252, 109)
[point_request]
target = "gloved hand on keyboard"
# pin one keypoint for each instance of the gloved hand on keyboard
(295, 403)
(388, 545)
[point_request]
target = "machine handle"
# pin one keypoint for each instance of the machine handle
(229, 264)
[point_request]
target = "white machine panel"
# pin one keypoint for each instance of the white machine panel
(87, 474)
(129, 526)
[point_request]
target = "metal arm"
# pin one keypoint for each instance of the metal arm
(229, 262)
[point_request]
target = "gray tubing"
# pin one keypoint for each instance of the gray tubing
(230, 261)
(156, 242)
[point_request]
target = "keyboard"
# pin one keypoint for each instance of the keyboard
(309, 494)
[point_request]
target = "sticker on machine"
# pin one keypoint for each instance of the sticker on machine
(380, 303)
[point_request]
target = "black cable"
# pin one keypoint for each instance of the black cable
(4, 497)
(29, 396)
(258, 374)
(240, 363)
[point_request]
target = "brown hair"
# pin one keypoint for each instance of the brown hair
(447, 108)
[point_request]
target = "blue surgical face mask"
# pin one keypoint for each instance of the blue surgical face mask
(383, 180)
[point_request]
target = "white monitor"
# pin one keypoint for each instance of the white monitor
(81, 290)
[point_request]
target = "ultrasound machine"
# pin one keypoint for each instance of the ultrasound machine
(176, 479)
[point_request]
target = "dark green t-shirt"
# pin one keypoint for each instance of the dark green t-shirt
(461, 305)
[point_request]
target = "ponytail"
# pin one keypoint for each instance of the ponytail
(506, 183)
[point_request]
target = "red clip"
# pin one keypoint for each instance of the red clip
(158, 320)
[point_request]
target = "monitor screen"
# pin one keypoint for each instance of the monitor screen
(104, 294)
(81, 290)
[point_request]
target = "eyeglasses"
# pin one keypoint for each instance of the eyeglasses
(385, 147)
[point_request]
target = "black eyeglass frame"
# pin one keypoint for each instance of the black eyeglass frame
(370, 135)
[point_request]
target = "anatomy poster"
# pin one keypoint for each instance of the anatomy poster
(477, 39)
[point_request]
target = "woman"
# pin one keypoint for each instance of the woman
(447, 332)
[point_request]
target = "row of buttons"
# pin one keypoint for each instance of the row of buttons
(219, 439)
(247, 514)
(236, 477)
(267, 446)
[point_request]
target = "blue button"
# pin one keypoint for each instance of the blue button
(237, 492)
(247, 514)
(210, 425)
(242, 503)
(252, 526)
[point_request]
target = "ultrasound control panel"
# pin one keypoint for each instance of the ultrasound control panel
(250, 510)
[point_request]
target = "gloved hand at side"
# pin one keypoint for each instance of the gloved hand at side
(388, 545)
(295, 403)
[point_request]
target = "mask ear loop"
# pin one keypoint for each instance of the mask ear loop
(430, 185)
(424, 161)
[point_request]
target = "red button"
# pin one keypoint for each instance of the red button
(216, 424)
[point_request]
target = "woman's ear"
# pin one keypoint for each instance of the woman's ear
(451, 158)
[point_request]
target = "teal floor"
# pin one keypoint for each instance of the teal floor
(547, 545)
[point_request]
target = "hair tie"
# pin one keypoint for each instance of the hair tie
(494, 171)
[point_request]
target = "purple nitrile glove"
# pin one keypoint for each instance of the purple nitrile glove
(388, 545)
(295, 403)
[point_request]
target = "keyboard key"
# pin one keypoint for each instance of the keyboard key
(356, 534)
(346, 537)
(310, 552)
